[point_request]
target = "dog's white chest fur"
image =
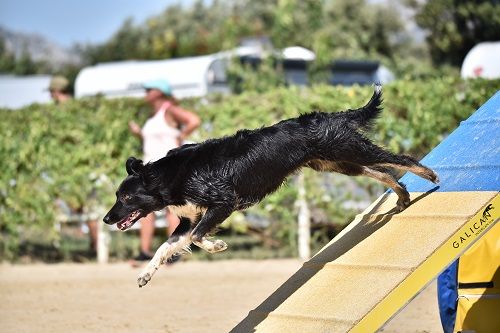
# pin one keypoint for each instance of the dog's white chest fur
(189, 210)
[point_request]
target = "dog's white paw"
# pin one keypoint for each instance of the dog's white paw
(143, 279)
(219, 246)
(146, 275)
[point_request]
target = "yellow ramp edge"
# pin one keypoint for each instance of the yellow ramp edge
(377, 264)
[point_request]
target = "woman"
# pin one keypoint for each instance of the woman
(167, 128)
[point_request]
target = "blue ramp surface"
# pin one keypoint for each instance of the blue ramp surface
(469, 158)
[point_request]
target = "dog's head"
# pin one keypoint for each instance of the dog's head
(134, 198)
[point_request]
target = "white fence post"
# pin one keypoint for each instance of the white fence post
(102, 242)
(304, 221)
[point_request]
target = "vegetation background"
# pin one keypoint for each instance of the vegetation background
(76, 151)
(353, 29)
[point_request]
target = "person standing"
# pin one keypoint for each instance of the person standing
(59, 89)
(168, 126)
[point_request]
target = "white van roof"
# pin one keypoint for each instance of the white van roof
(483, 60)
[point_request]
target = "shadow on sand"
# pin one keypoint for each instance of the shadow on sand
(369, 224)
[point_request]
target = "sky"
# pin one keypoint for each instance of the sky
(70, 21)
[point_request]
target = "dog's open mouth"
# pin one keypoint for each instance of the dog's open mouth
(128, 221)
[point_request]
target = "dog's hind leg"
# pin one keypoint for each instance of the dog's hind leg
(379, 173)
(410, 164)
(178, 242)
(384, 176)
(372, 155)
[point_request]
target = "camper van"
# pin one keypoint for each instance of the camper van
(189, 77)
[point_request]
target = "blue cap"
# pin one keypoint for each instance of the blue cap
(160, 84)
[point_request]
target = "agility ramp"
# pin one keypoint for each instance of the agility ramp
(376, 265)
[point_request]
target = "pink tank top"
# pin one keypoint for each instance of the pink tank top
(158, 136)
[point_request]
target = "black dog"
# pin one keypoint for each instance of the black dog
(204, 183)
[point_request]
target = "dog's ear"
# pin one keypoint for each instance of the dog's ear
(134, 166)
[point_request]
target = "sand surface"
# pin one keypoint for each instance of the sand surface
(188, 297)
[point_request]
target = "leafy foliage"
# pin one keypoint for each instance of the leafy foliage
(60, 151)
(332, 29)
(22, 65)
(259, 77)
(76, 151)
(457, 25)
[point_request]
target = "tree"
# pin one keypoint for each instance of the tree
(359, 30)
(353, 29)
(295, 21)
(25, 65)
(121, 46)
(7, 59)
(455, 26)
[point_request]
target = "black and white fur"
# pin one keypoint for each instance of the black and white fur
(204, 183)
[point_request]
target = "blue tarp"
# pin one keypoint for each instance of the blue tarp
(469, 158)
(447, 297)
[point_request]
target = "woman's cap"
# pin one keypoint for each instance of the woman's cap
(160, 84)
(58, 83)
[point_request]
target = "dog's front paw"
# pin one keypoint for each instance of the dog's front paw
(219, 246)
(143, 279)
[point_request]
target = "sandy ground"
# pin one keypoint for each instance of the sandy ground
(188, 297)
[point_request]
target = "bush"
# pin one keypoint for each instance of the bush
(67, 151)
(77, 151)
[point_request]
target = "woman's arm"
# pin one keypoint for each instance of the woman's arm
(135, 129)
(189, 121)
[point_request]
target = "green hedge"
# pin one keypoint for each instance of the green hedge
(77, 151)
(417, 114)
(67, 151)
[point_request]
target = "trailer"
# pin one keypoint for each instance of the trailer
(482, 61)
(189, 77)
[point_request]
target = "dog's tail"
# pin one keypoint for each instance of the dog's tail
(364, 116)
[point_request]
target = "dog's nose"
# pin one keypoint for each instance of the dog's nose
(106, 219)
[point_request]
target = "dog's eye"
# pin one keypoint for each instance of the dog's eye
(126, 197)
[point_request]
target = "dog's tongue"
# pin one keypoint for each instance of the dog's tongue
(123, 225)
(127, 222)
